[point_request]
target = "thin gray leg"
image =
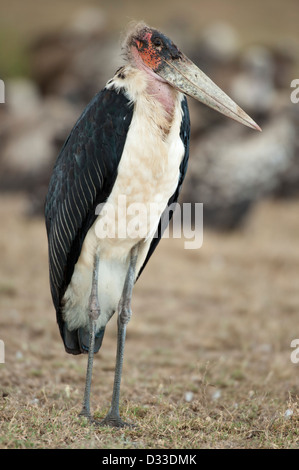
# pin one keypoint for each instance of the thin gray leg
(113, 418)
(94, 312)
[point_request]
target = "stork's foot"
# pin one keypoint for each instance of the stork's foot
(85, 413)
(114, 421)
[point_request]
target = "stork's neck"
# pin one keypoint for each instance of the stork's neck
(157, 87)
(163, 93)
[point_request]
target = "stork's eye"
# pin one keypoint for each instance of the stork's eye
(157, 42)
(139, 43)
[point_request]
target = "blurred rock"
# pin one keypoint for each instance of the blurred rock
(87, 21)
(253, 87)
(288, 413)
(34, 130)
(76, 62)
(219, 43)
(188, 396)
(232, 167)
(216, 395)
(68, 68)
(285, 56)
(288, 184)
(216, 53)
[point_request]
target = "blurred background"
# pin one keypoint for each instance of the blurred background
(233, 303)
(55, 56)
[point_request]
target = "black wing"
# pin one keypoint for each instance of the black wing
(167, 215)
(82, 178)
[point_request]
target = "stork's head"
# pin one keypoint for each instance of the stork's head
(154, 52)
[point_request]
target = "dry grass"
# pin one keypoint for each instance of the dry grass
(216, 322)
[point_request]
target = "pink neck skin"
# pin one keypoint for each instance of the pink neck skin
(157, 86)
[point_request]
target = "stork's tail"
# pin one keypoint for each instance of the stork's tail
(77, 341)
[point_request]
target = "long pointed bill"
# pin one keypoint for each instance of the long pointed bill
(190, 80)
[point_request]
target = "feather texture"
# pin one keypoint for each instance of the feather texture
(83, 177)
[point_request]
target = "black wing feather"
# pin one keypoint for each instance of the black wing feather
(83, 177)
(185, 137)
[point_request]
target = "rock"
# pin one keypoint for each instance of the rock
(34, 131)
(232, 168)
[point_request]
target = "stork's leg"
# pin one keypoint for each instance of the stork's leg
(94, 311)
(124, 315)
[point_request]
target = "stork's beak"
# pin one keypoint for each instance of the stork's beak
(186, 77)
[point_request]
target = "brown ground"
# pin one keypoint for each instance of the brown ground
(217, 322)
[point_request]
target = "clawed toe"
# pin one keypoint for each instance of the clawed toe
(114, 421)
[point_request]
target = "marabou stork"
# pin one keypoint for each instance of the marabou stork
(131, 141)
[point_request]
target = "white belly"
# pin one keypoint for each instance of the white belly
(147, 177)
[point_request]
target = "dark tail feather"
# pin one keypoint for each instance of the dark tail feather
(83, 337)
(77, 341)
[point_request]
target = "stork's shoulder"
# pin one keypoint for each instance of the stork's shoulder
(128, 80)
